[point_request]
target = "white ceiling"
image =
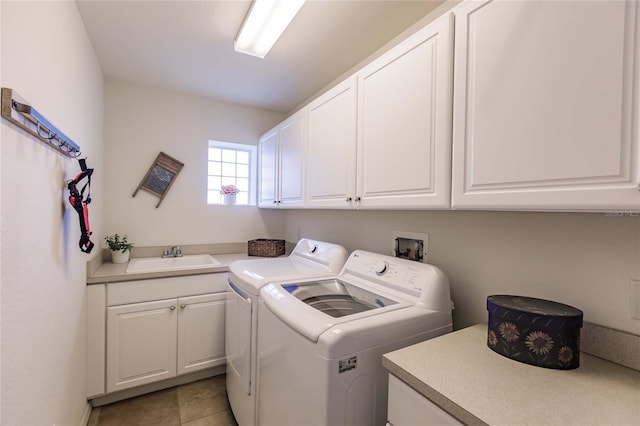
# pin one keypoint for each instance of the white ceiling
(187, 46)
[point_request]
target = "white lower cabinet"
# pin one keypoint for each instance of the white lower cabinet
(141, 332)
(141, 343)
(152, 341)
(408, 408)
(200, 332)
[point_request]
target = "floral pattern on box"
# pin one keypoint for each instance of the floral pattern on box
(534, 331)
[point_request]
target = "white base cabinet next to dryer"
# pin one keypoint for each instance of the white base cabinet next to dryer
(142, 332)
(407, 407)
(151, 341)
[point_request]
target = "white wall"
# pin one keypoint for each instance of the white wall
(140, 122)
(48, 60)
(583, 259)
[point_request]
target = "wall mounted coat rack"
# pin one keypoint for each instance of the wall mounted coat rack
(23, 115)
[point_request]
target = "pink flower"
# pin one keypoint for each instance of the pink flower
(229, 190)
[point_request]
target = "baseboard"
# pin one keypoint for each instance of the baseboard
(152, 387)
(85, 415)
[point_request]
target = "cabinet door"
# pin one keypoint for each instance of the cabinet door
(407, 407)
(141, 343)
(331, 154)
(201, 332)
(268, 169)
(404, 122)
(292, 139)
(546, 105)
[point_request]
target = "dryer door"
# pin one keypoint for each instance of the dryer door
(238, 337)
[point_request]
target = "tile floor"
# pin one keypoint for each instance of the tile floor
(201, 403)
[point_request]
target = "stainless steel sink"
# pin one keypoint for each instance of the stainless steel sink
(159, 264)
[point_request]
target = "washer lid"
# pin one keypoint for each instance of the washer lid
(294, 305)
(251, 275)
(309, 259)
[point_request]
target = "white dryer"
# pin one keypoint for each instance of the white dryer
(321, 341)
(309, 259)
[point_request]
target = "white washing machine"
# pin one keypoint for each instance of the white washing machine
(321, 341)
(309, 259)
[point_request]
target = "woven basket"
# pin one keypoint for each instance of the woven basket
(265, 247)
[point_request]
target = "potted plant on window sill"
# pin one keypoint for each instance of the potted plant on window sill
(120, 248)
(229, 194)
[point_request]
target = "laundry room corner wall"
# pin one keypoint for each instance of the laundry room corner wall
(141, 122)
(47, 58)
(585, 260)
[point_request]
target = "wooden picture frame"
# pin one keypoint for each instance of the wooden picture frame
(160, 176)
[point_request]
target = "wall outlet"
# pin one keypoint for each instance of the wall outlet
(634, 298)
(410, 245)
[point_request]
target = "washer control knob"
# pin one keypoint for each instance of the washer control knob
(381, 268)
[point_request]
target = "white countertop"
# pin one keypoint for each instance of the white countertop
(115, 272)
(460, 374)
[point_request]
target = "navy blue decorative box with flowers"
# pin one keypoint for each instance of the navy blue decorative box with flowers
(535, 331)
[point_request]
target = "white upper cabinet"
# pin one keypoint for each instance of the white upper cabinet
(268, 169)
(546, 105)
(404, 123)
(292, 137)
(281, 163)
(331, 154)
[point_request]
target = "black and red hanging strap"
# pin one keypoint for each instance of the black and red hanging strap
(79, 203)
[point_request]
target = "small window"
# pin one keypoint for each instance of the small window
(231, 164)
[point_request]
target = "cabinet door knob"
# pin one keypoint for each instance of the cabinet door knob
(183, 306)
(173, 308)
(274, 201)
(358, 199)
(348, 200)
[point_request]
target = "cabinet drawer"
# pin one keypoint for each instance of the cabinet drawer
(408, 407)
(164, 288)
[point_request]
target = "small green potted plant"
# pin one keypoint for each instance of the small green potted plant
(120, 248)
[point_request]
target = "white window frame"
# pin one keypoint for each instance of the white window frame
(253, 177)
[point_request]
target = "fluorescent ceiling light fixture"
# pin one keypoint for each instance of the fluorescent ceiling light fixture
(263, 25)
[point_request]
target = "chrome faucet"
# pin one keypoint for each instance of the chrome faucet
(176, 251)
